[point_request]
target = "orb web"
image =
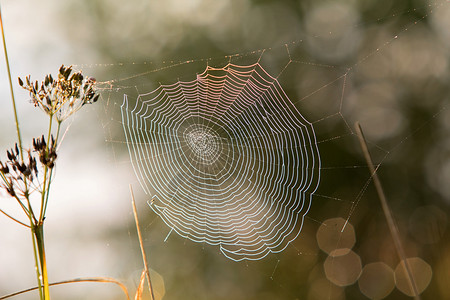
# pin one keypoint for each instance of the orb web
(227, 159)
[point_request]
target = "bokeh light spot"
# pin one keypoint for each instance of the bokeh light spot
(343, 270)
(331, 237)
(158, 286)
(376, 280)
(421, 272)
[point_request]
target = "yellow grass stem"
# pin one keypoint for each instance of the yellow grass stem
(144, 257)
(77, 280)
(19, 136)
(39, 236)
(387, 211)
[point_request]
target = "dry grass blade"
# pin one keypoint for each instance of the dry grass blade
(387, 211)
(140, 289)
(19, 136)
(144, 257)
(77, 280)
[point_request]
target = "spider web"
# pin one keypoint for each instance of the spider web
(227, 159)
(190, 143)
(225, 156)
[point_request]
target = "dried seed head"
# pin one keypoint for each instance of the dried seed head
(9, 155)
(19, 175)
(64, 96)
(4, 168)
(10, 189)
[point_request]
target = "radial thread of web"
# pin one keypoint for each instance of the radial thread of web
(227, 159)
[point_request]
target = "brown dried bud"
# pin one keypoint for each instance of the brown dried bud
(10, 190)
(4, 168)
(9, 155)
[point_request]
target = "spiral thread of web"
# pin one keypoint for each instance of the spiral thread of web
(227, 159)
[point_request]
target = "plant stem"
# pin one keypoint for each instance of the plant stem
(39, 236)
(77, 280)
(47, 177)
(19, 136)
(39, 228)
(36, 259)
(144, 256)
(387, 211)
(14, 219)
(47, 193)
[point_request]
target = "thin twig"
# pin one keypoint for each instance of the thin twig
(19, 136)
(144, 257)
(387, 211)
(46, 193)
(140, 289)
(14, 219)
(77, 280)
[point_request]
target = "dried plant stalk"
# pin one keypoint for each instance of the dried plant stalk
(144, 256)
(387, 211)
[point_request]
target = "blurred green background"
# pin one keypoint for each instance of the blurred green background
(384, 63)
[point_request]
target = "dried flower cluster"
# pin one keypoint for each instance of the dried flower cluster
(63, 96)
(59, 98)
(27, 171)
(20, 178)
(47, 155)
